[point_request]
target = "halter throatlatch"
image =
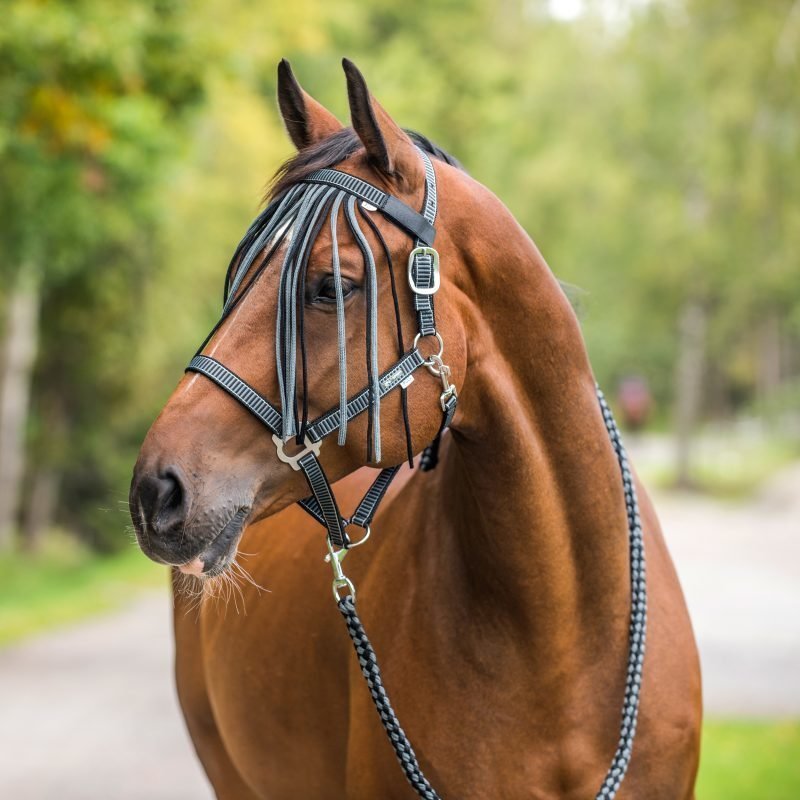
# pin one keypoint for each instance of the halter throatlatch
(299, 214)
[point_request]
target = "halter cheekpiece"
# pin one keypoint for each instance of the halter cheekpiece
(298, 215)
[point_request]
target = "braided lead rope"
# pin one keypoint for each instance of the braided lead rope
(619, 764)
(638, 623)
(372, 674)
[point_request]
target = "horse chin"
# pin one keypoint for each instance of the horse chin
(220, 553)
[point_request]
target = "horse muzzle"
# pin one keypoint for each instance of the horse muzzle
(176, 529)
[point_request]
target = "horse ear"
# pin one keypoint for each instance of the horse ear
(307, 122)
(389, 147)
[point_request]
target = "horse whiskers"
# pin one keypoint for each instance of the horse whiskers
(238, 569)
(227, 587)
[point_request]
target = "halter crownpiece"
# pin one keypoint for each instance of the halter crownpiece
(299, 215)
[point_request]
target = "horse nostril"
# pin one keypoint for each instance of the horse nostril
(173, 496)
(160, 499)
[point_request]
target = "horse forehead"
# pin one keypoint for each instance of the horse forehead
(322, 248)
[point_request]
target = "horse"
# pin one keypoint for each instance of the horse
(496, 587)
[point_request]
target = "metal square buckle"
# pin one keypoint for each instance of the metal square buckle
(424, 251)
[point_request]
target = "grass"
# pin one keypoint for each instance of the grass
(750, 761)
(65, 583)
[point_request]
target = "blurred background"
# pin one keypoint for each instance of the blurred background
(650, 147)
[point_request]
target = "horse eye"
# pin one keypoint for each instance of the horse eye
(326, 290)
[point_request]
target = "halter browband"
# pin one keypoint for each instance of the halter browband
(396, 210)
(424, 281)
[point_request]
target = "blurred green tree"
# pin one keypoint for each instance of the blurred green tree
(92, 98)
(651, 154)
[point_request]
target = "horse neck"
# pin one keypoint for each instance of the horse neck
(531, 477)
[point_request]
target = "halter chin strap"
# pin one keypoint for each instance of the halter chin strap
(423, 276)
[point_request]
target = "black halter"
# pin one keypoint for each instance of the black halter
(304, 205)
(423, 276)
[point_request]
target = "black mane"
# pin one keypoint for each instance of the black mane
(336, 148)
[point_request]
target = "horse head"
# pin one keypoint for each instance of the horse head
(318, 306)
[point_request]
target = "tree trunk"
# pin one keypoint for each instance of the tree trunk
(16, 370)
(40, 508)
(769, 358)
(689, 384)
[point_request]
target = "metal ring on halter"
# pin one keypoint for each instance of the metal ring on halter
(363, 539)
(428, 362)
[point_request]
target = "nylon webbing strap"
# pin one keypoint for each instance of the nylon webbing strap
(394, 376)
(450, 406)
(237, 388)
(411, 221)
(323, 494)
(368, 506)
(422, 267)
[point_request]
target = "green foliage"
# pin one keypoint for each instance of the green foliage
(88, 99)
(65, 583)
(652, 158)
(93, 101)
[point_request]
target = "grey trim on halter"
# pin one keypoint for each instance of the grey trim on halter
(340, 323)
(279, 222)
(286, 325)
(372, 328)
(421, 264)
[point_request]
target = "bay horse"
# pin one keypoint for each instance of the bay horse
(496, 587)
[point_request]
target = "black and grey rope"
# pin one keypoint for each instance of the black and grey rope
(638, 622)
(372, 674)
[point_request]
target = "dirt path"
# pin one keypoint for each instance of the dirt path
(739, 564)
(89, 713)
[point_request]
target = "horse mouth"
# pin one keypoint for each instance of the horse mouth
(221, 551)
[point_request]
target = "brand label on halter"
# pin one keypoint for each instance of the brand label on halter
(390, 379)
